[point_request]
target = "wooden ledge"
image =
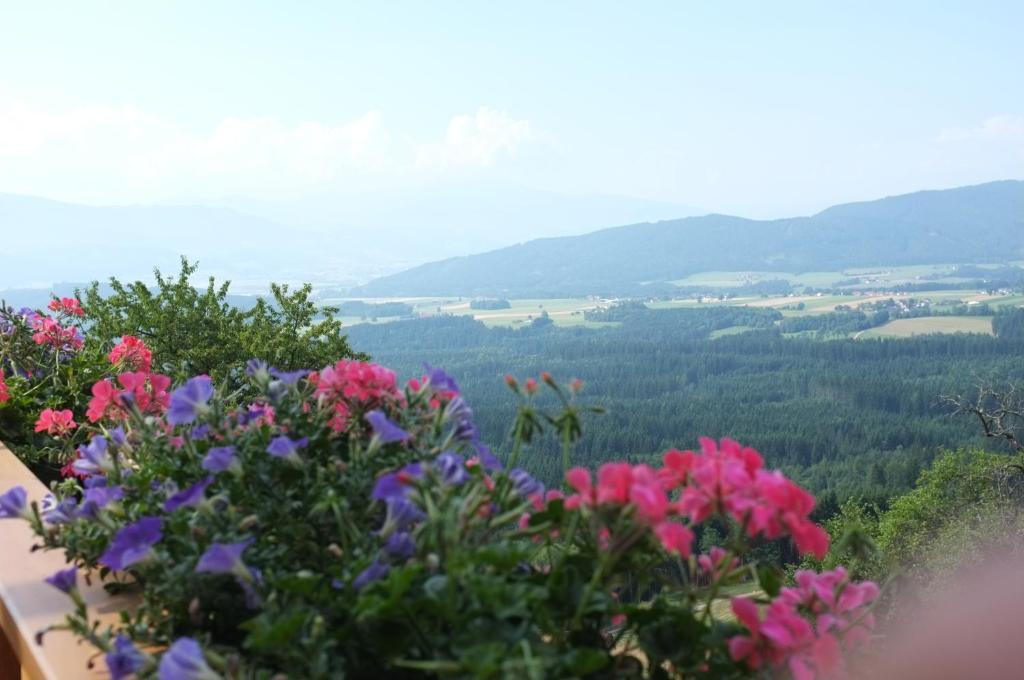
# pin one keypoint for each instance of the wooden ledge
(28, 605)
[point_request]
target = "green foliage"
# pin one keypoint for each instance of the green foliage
(965, 504)
(1009, 323)
(200, 332)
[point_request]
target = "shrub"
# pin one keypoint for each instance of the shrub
(342, 524)
(49, 362)
(201, 332)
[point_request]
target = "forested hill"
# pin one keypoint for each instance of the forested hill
(846, 416)
(982, 223)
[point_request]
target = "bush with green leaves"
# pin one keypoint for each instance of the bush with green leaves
(49, 362)
(196, 332)
(342, 525)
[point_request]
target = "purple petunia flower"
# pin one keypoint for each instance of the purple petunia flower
(395, 484)
(184, 660)
(190, 400)
(488, 460)
(452, 468)
(225, 558)
(58, 512)
(94, 458)
(118, 436)
(384, 429)
(65, 580)
(462, 415)
(124, 659)
(219, 459)
(283, 446)
(525, 485)
(200, 432)
(289, 377)
(439, 380)
(374, 572)
(97, 497)
(190, 497)
(400, 545)
(14, 503)
(401, 514)
(133, 543)
(257, 368)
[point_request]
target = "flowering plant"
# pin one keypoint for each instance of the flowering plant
(342, 524)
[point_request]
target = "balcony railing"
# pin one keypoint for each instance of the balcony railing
(28, 605)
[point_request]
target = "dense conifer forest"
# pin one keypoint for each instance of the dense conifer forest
(846, 417)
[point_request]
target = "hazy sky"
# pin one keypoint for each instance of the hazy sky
(759, 108)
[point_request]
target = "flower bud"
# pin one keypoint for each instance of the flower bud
(248, 522)
(335, 550)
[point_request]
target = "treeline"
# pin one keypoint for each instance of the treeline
(845, 417)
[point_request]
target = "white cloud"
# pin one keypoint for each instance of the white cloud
(121, 154)
(1004, 127)
(476, 140)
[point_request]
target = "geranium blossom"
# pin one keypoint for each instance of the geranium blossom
(49, 332)
(67, 305)
(56, 423)
(806, 626)
(132, 354)
(5, 393)
(349, 386)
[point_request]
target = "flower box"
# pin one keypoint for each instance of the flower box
(28, 605)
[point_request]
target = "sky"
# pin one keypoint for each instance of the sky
(750, 108)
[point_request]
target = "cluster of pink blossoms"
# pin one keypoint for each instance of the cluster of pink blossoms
(620, 484)
(56, 423)
(48, 331)
(724, 478)
(132, 354)
(805, 627)
(351, 386)
(728, 479)
(5, 393)
(66, 305)
(146, 390)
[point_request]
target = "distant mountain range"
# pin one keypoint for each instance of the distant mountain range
(975, 224)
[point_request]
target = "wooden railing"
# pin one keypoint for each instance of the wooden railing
(28, 605)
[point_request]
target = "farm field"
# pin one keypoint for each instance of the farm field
(873, 277)
(904, 328)
(562, 311)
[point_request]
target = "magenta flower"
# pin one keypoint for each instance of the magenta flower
(190, 400)
(133, 543)
(190, 497)
(385, 429)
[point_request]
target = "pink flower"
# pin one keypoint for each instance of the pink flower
(352, 387)
(67, 305)
(5, 393)
(132, 354)
(675, 538)
(56, 423)
(50, 332)
(714, 563)
(103, 395)
(805, 626)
